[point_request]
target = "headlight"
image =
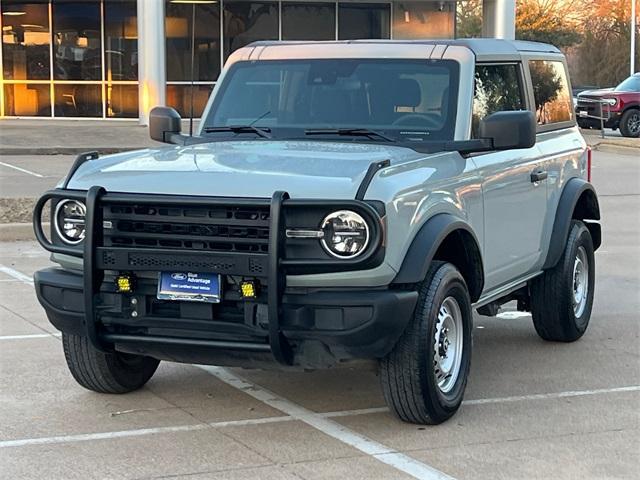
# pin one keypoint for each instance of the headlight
(346, 234)
(610, 101)
(69, 221)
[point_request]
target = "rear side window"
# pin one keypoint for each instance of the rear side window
(497, 88)
(551, 92)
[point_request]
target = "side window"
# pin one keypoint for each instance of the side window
(551, 92)
(497, 88)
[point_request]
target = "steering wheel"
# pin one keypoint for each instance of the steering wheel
(406, 119)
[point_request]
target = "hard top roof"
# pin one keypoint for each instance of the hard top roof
(483, 48)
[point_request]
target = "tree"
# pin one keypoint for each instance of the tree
(548, 21)
(469, 19)
(603, 56)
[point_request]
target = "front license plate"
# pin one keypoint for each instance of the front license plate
(583, 113)
(192, 287)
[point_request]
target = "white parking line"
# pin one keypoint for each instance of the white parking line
(29, 336)
(16, 274)
(83, 437)
(376, 450)
(61, 439)
(20, 169)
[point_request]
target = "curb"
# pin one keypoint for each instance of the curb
(65, 150)
(13, 232)
(614, 148)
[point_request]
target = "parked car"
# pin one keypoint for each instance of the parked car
(341, 200)
(619, 107)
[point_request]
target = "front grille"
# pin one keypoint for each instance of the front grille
(218, 228)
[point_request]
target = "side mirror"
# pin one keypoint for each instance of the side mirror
(165, 124)
(509, 130)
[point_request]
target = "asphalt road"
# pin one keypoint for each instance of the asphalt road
(532, 409)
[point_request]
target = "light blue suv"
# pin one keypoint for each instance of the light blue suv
(341, 200)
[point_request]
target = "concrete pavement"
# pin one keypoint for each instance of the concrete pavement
(533, 410)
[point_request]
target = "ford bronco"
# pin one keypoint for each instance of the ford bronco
(339, 201)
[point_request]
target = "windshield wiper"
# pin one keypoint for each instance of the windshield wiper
(350, 132)
(262, 132)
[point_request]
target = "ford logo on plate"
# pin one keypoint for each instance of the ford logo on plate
(179, 276)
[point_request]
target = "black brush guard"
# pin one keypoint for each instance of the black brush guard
(97, 258)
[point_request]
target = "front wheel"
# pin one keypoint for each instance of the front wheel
(424, 377)
(630, 124)
(562, 297)
(106, 372)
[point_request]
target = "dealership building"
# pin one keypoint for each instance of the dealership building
(116, 59)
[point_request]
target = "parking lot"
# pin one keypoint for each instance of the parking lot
(532, 410)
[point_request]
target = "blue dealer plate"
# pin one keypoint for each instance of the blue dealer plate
(193, 287)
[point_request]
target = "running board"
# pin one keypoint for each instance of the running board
(505, 290)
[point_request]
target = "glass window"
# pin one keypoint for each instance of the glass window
(25, 100)
(418, 20)
(497, 88)
(631, 84)
(179, 97)
(363, 20)
(120, 40)
(122, 101)
(246, 22)
(77, 48)
(551, 92)
(407, 99)
(308, 21)
(78, 100)
(179, 28)
(25, 40)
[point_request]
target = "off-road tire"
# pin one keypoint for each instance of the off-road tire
(628, 125)
(106, 372)
(408, 372)
(552, 293)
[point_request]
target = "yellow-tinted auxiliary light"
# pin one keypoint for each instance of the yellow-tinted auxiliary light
(124, 283)
(248, 289)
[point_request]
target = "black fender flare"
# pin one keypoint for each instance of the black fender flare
(589, 209)
(425, 245)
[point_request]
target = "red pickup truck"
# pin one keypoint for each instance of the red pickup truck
(619, 107)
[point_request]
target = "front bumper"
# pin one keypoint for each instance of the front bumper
(237, 238)
(321, 327)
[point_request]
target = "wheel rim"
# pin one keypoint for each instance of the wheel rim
(580, 282)
(448, 344)
(633, 124)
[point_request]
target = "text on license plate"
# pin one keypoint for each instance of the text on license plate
(193, 287)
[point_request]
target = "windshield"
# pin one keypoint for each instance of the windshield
(404, 100)
(631, 84)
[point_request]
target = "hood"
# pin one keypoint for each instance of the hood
(241, 169)
(598, 93)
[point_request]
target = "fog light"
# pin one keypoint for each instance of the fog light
(248, 289)
(124, 283)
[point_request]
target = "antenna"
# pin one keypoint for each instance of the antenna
(193, 55)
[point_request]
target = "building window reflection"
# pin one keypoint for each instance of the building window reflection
(77, 45)
(308, 21)
(79, 58)
(181, 97)
(27, 100)
(415, 20)
(77, 100)
(25, 40)
(364, 21)
(179, 27)
(247, 21)
(121, 40)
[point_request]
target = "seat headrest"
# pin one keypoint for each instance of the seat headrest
(407, 93)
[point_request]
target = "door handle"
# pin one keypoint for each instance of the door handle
(538, 175)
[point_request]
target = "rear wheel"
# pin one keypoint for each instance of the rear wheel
(106, 372)
(630, 123)
(562, 297)
(424, 377)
